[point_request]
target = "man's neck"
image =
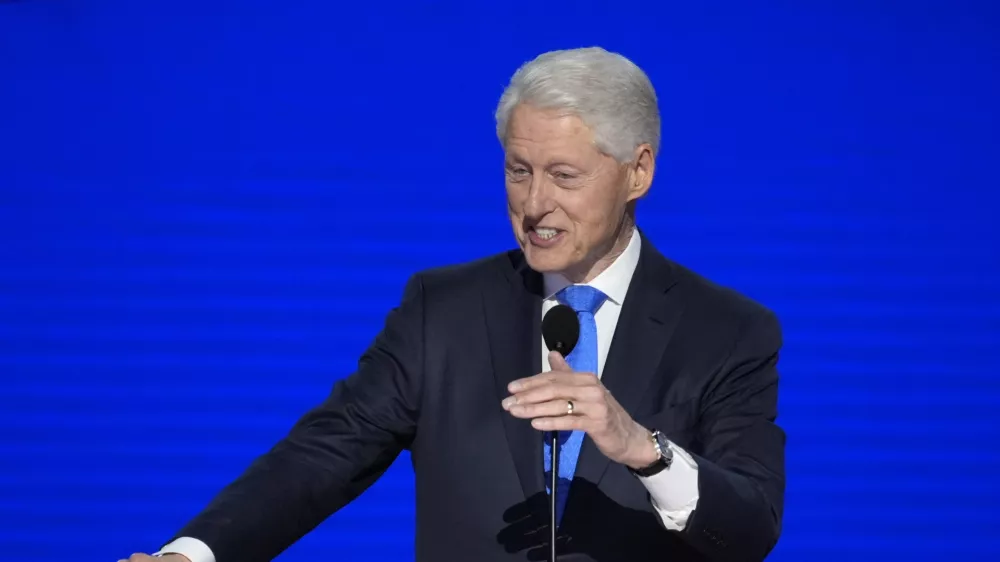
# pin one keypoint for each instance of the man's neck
(613, 279)
(598, 266)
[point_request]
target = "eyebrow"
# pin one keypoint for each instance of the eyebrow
(563, 163)
(513, 159)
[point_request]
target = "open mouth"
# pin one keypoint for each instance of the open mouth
(544, 236)
(545, 233)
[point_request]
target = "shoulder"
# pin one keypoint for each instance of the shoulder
(464, 279)
(722, 312)
(717, 299)
(705, 301)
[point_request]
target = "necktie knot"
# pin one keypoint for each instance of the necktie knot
(582, 298)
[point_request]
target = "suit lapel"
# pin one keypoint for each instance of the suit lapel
(649, 314)
(514, 322)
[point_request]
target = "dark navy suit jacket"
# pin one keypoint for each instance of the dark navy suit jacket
(690, 358)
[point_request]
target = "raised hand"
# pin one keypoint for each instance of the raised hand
(564, 400)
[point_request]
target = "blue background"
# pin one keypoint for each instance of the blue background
(207, 208)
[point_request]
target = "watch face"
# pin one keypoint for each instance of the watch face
(663, 444)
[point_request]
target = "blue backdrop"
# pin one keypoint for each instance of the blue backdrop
(207, 208)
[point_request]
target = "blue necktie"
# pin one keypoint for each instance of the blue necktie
(585, 300)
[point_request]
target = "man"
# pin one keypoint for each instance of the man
(666, 406)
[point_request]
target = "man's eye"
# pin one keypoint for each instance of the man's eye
(519, 171)
(562, 176)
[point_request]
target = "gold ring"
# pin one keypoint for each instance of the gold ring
(569, 407)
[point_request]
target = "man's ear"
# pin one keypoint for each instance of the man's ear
(641, 173)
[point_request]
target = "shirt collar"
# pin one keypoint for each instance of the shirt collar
(613, 281)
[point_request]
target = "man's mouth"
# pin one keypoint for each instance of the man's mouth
(545, 237)
(545, 233)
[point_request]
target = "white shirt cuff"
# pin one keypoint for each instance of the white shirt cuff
(674, 491)
(191, 548)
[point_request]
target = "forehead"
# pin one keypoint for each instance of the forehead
(545, 133)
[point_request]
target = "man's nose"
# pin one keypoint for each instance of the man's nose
(539, 202)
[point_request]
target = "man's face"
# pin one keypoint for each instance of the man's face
(566, 199)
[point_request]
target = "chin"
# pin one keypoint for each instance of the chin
(544, 262)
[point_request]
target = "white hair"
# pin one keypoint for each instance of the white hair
(608, 92)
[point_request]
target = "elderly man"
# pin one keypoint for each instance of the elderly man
(665, 407)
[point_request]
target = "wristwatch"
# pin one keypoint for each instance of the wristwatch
(664, 453)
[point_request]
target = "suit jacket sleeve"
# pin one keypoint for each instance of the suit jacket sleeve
(741, 476)
(331, 455)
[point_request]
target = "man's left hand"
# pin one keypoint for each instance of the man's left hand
(544, 399)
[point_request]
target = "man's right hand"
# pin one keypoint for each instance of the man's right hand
(139, 557)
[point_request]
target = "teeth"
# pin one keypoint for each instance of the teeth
(545, 233)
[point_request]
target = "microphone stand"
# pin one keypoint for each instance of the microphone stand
(561, 347)
(554, 463)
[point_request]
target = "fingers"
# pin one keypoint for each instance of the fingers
(552, 408)
(552, 377)
(565, 423)
(138, 557)
(554, 415)
(548, 408)
(544, 398)
(558, 362)
(552, 400)
(579, 387)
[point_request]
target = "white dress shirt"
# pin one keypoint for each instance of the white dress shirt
(673, 492)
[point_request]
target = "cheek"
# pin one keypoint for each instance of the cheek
(515, 197)
(594, 215)
(588, 212)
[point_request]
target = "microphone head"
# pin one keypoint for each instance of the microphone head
(561, 329)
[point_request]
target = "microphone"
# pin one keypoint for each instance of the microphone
(561, 331)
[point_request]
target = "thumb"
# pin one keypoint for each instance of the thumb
(558, 362)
